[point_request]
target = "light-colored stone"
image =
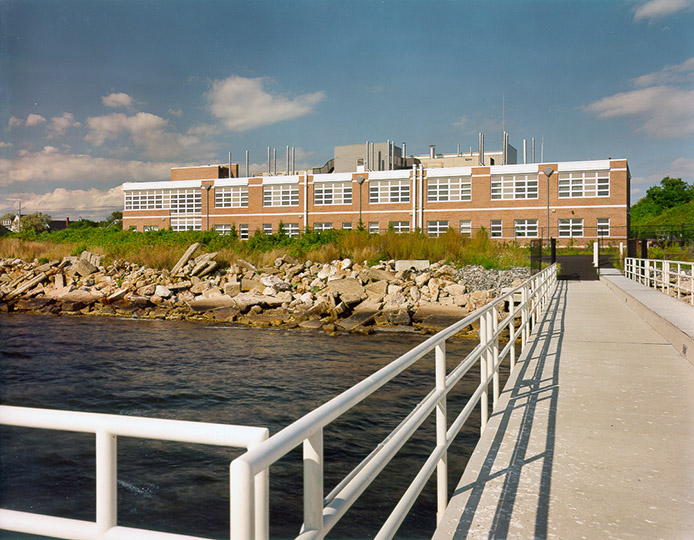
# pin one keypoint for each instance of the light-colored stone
(416, 264)
(162, 292)
(349, 290)
(185, 258)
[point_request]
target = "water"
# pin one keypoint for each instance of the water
(208, 373)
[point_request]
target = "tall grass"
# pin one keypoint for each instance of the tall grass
(161, 249)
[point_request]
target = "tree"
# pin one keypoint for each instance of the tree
(670, 193)
(116, 218)
(36, 222)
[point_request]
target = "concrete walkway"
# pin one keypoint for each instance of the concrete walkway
(593, 436)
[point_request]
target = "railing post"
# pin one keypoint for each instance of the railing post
(666, 275)
(484, 403)
(512, 331)
(441, 428)
(242, 501)
(106, 481)
(524, 316)
(494, 352)
(313, 483)
(679, 280)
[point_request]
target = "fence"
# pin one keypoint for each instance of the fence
(321, 513)
(107, 428)
(674, 278)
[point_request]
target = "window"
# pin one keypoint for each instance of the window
(400, 226)
(584, 184)
(373, 227)
(496, 228)
(332, 193)
(243, 231)
(514, 186)
(223, 229)
(231, 197)
(322, 226)
(178, 201)
(570, 227)
(346, 226)
(281, 195)
(603, 227)
(525, 228)
(185, 201)
(186, 224)
(291, 229)
(146, 228)
(458, 188)
(436, 228)
(389, 191)
(267, 228)
(466, 227)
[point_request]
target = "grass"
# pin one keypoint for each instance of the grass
(161, 249)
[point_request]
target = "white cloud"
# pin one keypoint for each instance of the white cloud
(657, 9)
(34, 120)
(15, 122)
(116, 100)
(150, 133)
(176, 112)
(663, 111)
(60, 124)
(680, 167)
(680, 73)
(50, 166)
(461, 123)
(74, 203)
(5, 144)
(242, 104)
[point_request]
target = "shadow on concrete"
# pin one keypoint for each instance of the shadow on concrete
(532, 387)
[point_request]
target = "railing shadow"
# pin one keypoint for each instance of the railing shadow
(537, 382)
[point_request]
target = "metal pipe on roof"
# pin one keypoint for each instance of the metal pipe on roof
(247, 167)
(525, 151)
(532, 150)
(287, 169)
(269, 162)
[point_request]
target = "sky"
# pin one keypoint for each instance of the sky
(95, 93)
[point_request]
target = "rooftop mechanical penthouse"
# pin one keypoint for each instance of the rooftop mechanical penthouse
(575, 201)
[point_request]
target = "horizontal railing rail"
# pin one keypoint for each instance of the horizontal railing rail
(107, 428)
(320, 514)
(674, 278)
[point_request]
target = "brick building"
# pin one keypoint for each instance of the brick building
(574, 201)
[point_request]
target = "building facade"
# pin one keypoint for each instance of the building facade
(574, 202)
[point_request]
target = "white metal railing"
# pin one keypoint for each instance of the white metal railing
(320, 514)
(107, 428)
(674, 278)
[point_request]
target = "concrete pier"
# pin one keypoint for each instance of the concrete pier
(593, 436)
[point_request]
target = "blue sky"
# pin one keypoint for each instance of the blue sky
(96, 93)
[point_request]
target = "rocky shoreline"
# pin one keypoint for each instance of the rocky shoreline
(411, 296)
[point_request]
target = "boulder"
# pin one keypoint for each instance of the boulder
(417, 264)
(185, 258)
(162, 292)
(375, 274)
(349, 290)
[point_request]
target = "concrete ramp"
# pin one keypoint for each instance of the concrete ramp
(593, 436)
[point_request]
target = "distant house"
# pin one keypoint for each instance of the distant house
(13, 223)
(58, 224)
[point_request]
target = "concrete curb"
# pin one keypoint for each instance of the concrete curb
(671, 318)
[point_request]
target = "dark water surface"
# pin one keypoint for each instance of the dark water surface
(207, 373)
